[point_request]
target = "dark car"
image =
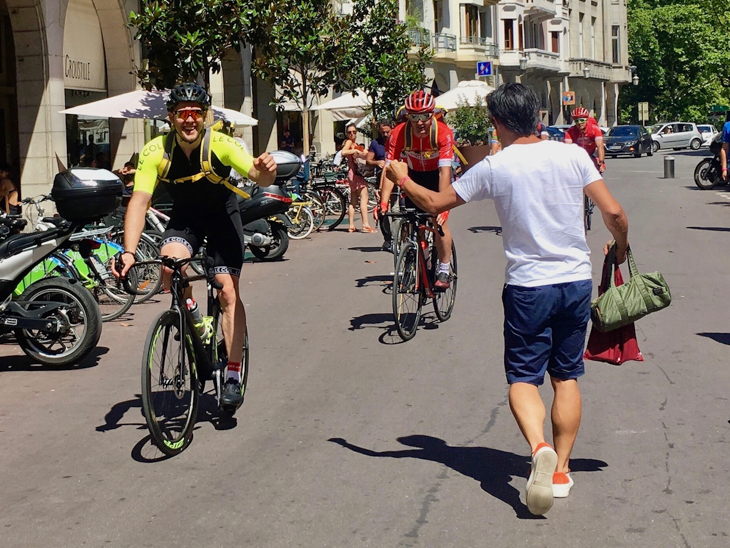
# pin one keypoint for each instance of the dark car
(634, 140)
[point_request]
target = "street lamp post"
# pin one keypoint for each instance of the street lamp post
(634, 76)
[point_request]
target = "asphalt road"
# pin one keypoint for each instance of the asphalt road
(349, 438)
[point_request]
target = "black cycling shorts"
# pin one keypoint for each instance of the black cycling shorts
(223, 233)
(426, 179)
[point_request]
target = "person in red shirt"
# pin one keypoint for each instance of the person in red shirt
(425, 143)
(588, 136)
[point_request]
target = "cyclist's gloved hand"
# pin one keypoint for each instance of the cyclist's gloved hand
(602, 167)
(441, 218)
(380, 210)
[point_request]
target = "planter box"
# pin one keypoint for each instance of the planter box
(473, 155)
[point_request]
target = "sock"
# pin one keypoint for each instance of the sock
(234, 371)
(444, 267)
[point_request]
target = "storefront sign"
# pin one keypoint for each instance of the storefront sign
(83, 48)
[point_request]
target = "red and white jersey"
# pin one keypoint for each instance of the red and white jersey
(427, 153)
(587, 139)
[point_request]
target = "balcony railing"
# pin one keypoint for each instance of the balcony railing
(419, 37)
(480, 42)
(595, 69)
(444, 42)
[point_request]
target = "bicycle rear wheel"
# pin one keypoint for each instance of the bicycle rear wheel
(169, 384)
(319, 210)
(219, 355)
(406, 293)
(443, 302)
(336, 206)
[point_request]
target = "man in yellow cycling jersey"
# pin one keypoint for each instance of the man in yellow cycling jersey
(194, 164)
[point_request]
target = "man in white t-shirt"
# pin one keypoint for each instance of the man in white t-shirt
(537, 187)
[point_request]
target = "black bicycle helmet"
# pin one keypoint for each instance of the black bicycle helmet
(188, 92)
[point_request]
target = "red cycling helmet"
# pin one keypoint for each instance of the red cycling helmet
(580, 112)
(420, 101)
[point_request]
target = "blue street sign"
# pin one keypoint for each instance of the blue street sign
(484, 68)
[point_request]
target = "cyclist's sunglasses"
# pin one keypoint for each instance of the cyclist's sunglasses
(581, 120)
(185, 113)
(424, 117)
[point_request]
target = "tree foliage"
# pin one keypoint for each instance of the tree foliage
(680, 49)
(378, 61)
(187, 38)
(301, 52)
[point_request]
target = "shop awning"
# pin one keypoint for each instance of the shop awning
(347, 106)
(467, 91)
(150, 105)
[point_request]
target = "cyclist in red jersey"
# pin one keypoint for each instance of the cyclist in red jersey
(426, 145)
(588, 136)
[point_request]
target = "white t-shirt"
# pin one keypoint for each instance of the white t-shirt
(538, 192)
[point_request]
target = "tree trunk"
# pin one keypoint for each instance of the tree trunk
(305, 113)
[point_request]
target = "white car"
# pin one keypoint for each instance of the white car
(708, 133)
(675, 135)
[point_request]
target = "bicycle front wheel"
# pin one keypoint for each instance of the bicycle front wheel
(169, 384)
(303, 223)
(319, 210)
(443, 302)
(406, 292)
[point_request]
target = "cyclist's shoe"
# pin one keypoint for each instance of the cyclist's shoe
(232, 396)
(442, 281)
(387, 246)
(205, 329)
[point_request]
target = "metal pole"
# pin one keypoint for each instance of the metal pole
(669, 167)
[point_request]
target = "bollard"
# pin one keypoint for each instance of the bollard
(669, 167)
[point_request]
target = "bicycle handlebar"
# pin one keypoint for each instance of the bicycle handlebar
(172, 263)
(416, 215)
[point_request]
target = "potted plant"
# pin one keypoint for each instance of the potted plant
(472, 129)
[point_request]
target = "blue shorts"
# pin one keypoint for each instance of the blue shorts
(545, 330)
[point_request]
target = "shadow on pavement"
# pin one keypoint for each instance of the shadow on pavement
(476, 229)
(116, 413)
(366, 249)
(147, 452)
(492, 468)
(25, 363)
(372, 280)
(711, 228)
(722, 338)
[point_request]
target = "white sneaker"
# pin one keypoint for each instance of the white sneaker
(561, 485)
(539, 497)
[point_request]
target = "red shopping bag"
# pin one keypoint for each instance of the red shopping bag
(616, 346)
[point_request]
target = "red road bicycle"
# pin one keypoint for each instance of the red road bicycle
(415, 273)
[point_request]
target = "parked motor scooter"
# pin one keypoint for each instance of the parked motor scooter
(263, 214)
(708, 173)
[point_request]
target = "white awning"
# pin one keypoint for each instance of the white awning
(150, 105)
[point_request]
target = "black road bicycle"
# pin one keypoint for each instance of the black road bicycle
(176, 362)
(415, 273)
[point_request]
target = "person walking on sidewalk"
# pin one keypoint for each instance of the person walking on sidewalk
(537, 187)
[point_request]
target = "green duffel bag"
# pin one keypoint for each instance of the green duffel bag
(624, 304)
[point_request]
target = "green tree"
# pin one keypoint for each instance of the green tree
(680, 49)
(183, 39)
(379, 62)
(302, 51)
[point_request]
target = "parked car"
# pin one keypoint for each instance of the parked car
(708, 132)
(555, 134)
(675, 135)
(634, 140)
(561, 127)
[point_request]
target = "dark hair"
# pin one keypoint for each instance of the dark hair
(4, 166)
(385, 122)
(516, 107)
